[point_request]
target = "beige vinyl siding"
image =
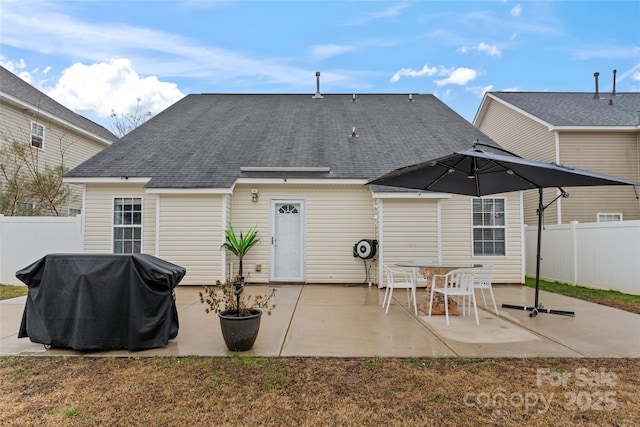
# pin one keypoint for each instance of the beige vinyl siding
(190, 235)
(410, 229)
(528, 138)
(611, 153)
(61, 145)
(98, 217)
(335, 218)
(457, 237)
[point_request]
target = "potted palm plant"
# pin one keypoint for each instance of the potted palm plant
(239, 246)
(239, 315)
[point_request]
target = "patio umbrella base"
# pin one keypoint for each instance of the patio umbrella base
(539, 309)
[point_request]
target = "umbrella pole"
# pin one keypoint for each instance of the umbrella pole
(540, 216)
(537, 307)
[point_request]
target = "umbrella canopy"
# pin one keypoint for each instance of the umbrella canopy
(476, 172)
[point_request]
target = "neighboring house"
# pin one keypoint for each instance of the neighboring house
(297, 166)
(595, 131)
(56, 135)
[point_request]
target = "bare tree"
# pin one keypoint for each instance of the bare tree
(26, 186)
(126, 122)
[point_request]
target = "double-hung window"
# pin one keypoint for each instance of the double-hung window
(37, 135)
(489, 229)
(127, 225)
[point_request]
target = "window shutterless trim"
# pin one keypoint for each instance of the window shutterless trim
(129, 226)
(488, 227)
(35, 135)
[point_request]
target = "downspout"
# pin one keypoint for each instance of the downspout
(559, 204)
(381, 243)
(638, 158)
(523, 248)
(377, 235)
(439, 230)
(158, 225)
(83, 212)
(223, 226)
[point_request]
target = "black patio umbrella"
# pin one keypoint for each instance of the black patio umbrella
(476, 172)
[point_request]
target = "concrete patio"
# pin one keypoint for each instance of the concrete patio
(347, 321)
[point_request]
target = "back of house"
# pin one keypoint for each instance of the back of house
(296, 166)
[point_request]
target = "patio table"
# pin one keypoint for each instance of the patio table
(428, 270)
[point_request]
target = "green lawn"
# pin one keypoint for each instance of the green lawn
(582, 293)
(9, 291)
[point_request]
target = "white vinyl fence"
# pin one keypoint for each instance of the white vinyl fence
(24, 240)
(602, 255)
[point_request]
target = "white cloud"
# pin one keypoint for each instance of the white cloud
(16, 66)
(633, 73)
(516, 10)
(11, 65)
(460, 76)
(491, 50)
(325, 51)
(607, 52)
(42, 28)
(410, 72)
(511, 89)
(445, 96)
(479, 90)
(386, 13)
(103, 87)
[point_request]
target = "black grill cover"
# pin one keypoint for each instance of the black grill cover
(100, 301)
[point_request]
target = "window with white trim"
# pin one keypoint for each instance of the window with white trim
(489, 228)
(609, 217)
(127, 225)
(37, 135)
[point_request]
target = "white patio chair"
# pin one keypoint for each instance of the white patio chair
(399, 279)
(482, 281)
(457, 283)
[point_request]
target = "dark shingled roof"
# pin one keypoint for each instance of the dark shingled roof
(578, 108)
(14, 86)
(203, 140)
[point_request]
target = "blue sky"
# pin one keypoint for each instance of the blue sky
(101, 56)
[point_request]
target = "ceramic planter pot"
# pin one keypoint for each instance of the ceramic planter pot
(240, 333)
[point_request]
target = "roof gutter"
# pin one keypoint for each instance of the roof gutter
(105, 180)
(595, 128)
(321, 169)
(28, 107)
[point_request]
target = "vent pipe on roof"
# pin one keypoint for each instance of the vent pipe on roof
(317, 95)
(597, 95)
(613, 92)
(353, 98)
(410, 97)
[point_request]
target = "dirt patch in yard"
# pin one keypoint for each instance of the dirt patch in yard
(318, 391)
(633, 307)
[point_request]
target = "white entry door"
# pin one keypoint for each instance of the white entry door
(287, 253)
